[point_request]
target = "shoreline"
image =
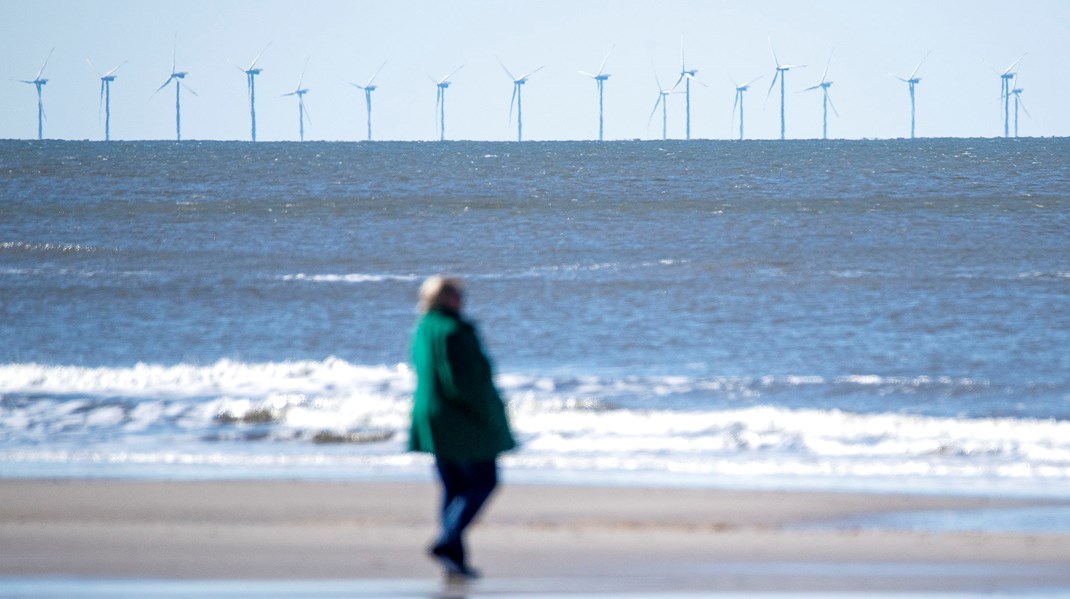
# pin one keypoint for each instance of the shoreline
(557, 538)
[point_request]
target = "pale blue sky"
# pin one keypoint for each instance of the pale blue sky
(347, 40)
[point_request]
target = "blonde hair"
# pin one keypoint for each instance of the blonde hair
(435, 288)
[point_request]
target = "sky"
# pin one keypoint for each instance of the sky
(346, 41)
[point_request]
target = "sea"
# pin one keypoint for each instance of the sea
(885, 315)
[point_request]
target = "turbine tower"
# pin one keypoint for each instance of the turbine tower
(300, 93)
(517, 98)
(826, 101)
(250, 80)
(1017, 93)
(368, 88)
(177, 77)
(440, 101)
(1007, 78)
(911, 82)
(739, 101)
(39, 83)
(105, 96)
(663, 101)
(781, 70)
(686, 75)
(600, 79)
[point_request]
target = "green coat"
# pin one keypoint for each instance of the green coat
(457, 413)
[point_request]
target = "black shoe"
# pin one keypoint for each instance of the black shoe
(452, 563)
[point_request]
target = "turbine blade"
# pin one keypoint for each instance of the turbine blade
(586, 74)
(512, 101)
(1022, 104)
(658, 81)
(302, 79)
(735, 103)
(915, 71)
(808, 89)
(100, 104)
(834, 111)
(356, 85)
(253, 64)
(524, 77)
(169, 80)
(775, 60)
(602, 66)
(1014, 64)
(90, 63)
(827, 64)
(375, 75)
(747, 84)
(190, 90)
(661, 96)
(772, 84)
(301, 102)
(45, 63)
(452, 73)
(112, 72)
(507, 72)
(677, 84)
(237, 67)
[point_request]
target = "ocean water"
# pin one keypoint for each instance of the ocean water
(865, 314)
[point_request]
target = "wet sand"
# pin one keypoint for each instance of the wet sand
(545, 539)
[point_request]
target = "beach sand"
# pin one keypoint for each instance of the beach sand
(531, 538)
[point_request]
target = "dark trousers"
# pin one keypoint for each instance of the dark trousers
(466, 486)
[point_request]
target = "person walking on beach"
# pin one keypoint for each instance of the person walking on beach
(457, 415)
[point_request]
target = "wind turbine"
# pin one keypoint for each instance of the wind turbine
(39, 83)
(911, 82)
(368, 88)
(686, 75)
(250, 78)
(177, 77)
(781, 69)
(600, 79)
(1007, 78)
(739, 101)
(826, 101)
(440, 100)
(300, 93)
(663, 100)
(1017, 92)
(105, 96)
(517, 98)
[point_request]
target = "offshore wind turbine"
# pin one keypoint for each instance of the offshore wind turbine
(105, 96)
(177, 77)
(1017, 93)
(600, 79)
(686, 75)
(739, 101)
(39, 83)
(781, 71)
(250, 80)
(663, 100)
(826, 101)
(368, 88)
(440, 100)
(518, 82)
(1007, 78)
(911, 82)
(300, 93)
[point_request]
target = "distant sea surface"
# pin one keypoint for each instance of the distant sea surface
(865, 314)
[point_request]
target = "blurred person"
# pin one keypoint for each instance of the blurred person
(457, 415)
